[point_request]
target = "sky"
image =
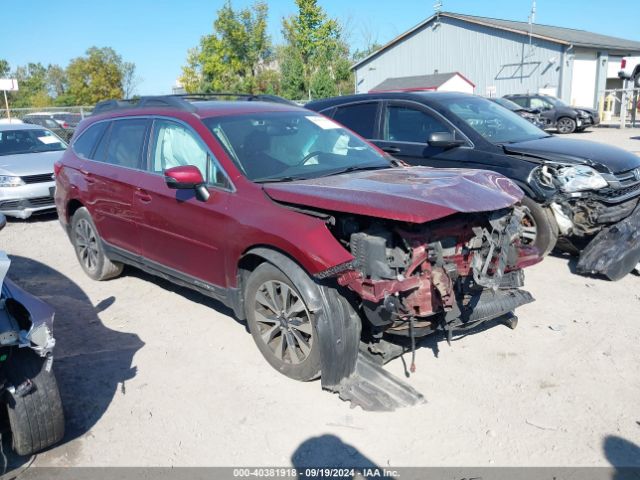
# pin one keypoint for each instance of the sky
(156, 34)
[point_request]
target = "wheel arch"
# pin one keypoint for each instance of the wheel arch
(72, 207)
(292, 268)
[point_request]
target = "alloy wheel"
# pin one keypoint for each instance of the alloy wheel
(87, 244)
(284, 322)
(565, 125)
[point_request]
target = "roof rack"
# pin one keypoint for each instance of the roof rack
(182, 101)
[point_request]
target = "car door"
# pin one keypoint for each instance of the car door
(111, 176)
(547, 110)
(178, 232)
(404, 130)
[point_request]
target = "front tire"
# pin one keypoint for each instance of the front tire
(36, 418)
(281, 324)
(89, 249)
(566, 125)
(540, 227)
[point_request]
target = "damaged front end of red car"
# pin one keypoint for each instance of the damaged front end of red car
(447, 275)
(423, 265)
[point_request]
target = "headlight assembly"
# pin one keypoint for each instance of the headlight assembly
(579, 178)
(9, 181)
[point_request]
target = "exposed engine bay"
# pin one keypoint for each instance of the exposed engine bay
(597, 216)
(454, 273)
(584, 201)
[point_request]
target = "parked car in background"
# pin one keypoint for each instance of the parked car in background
(67, 120)
(630, 70)
(556, 114)
(27, 155)
(50, 124)
(28, 388)
(532, 116)
(576, 191)
(316, 237)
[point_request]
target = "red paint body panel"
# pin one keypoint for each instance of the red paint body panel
(206, 240)
(412, 194)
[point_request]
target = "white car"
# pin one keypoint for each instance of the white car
(27, 155)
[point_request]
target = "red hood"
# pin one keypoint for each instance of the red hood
(413, 194)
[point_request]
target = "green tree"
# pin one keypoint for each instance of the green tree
(32, 83)
(315, 53)
(235, 56)
(4, 68)
(96, 76)
(365, 52)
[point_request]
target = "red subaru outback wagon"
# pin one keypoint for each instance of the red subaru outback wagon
(337, 257)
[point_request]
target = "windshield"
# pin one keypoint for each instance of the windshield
(495, 123)
(281, 146)
(556, 101)
(14, 142)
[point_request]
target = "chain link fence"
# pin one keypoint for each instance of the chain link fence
(20, 113)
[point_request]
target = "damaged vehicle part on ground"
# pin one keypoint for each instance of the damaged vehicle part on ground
(573, 188)
(28, 386)
(337, 256)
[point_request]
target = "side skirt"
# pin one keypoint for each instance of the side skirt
(229, 296)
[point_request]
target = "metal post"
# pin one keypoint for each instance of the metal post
(624, 101)
(634, 107)
(6, 104)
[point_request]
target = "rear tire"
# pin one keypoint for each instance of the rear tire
(36, 419)
(281, 324)
(89, 248)
(541, 229)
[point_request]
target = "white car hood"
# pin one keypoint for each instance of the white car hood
(29, 163)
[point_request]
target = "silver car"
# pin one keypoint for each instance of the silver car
(27, 155)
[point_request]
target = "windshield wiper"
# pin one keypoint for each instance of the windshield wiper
(278, 179)
(356, 168)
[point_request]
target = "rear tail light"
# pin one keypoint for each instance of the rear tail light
(65, 125)
(57, 166)
(623, 64)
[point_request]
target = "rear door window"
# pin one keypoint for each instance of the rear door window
(124, 144)
(361, 118)
(86, 142)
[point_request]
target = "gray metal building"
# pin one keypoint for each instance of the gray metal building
(502, 57)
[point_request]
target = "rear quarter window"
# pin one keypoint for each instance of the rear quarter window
(86, 142)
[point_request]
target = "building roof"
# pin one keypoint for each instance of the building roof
(416, 83)
(560, 35)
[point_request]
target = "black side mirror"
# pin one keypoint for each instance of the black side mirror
(535, 111)
(444, 140)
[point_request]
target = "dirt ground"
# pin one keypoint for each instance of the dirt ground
(155, 375)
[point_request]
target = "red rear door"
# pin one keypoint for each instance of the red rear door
(112, 178)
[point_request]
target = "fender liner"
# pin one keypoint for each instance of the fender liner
(344, 370)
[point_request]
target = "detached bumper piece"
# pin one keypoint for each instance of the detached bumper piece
(615, 251)
(374, 389)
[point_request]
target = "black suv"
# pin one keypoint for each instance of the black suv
(557, 114)
(574, 189)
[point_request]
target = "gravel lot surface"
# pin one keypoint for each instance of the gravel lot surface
(155, 375)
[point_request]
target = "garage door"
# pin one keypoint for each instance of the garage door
(583, 81)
